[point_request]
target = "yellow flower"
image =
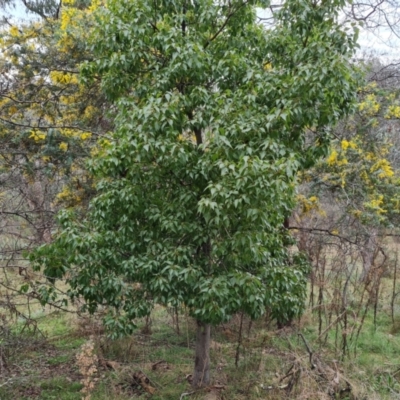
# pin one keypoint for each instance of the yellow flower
(36, 135)
(308, 205)
(95, 5)
(14, 31)
(64, 193)
(384, 167)
(67, 16)
(375, 204)
(332, 159)
(393, 112)
(68, 99)
(343, 178)
(63, 77)
(370, 106)
(63, 146)
(68, 197)
(364, 176)
(85, 135)
(345, 144)
(89, 112)
(69, 132)
(104, 143)
(370, 156)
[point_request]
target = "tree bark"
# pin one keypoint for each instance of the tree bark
(201, 374)
(368, 253)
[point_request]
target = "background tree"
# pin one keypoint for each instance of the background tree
(360, 173)
(348, 210)
(200, 173)
(49, 125)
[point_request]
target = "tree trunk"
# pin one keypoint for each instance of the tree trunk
(368, 253)
(201, 374)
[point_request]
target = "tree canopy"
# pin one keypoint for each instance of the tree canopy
(199, 176)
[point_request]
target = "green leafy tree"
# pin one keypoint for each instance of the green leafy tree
(195, 186)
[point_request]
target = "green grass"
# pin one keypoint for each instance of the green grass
(59, 359)
(68, 343)
(56, 324)
(45, 368)
(60, 388)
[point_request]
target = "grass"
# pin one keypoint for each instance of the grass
(59, 359)
(53, 326)
(270, 362)
(42, 364)
(60, 388)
